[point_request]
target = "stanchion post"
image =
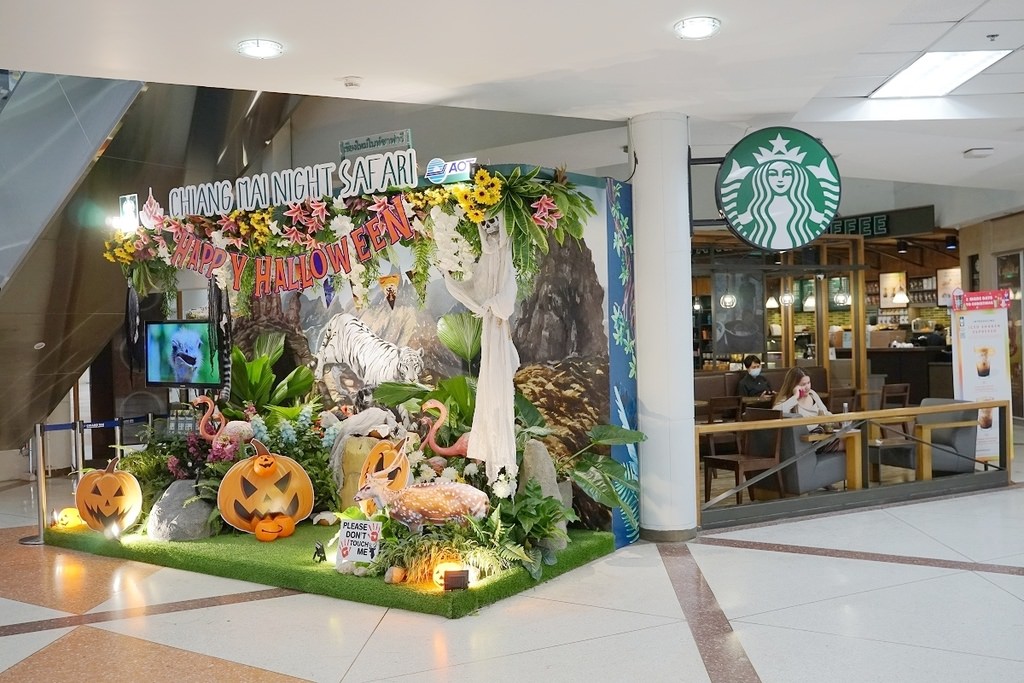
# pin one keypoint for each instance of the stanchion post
(79, 450)
(118, 422)
(40, 489)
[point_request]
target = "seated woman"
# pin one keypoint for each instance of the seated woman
(797, 396)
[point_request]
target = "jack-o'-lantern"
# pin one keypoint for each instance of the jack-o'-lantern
(265, 494)
(109, 500)
(68, 518)
(384, 456)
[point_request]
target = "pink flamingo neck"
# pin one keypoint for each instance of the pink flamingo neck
(461, 445)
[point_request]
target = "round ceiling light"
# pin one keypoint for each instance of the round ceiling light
(697, 28)
(260, 49)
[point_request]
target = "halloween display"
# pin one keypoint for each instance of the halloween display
(265, 494)
(68, 518)
(109, 500)
(384, 457)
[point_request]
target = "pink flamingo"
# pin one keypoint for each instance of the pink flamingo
(235, 431)
(461, 445)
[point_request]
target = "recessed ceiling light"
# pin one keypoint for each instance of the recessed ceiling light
(935, 74)
(258, 48)
(39, 346)
(697, 28)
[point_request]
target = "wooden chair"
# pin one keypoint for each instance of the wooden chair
(724, 409)
(840, 395)
(897, 436)
(759, 451)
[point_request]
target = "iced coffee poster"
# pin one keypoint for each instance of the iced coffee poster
(981, 358)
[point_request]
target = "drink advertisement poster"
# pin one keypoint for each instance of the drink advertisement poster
(981, 358)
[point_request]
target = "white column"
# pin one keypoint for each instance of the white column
(664, 321)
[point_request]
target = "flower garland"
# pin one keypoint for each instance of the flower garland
(444, 220)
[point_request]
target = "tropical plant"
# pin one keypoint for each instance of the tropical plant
(461, 333)
(253, 381)
(150, 468)
(601, 477)
(533, 518)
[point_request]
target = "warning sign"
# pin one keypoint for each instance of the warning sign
(358, 541)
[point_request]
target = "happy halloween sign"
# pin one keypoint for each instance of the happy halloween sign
(275, 274)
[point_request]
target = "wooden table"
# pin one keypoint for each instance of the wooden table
(854, 455)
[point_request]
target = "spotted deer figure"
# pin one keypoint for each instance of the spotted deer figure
(419, 504)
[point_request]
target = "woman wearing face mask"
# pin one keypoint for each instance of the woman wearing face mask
(752, 383)
(797, 396)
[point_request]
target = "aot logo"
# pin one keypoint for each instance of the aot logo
(778, 189)
(441, 171)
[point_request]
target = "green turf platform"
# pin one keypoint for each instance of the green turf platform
(288, 563)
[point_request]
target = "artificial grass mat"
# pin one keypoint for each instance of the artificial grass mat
(288, 563)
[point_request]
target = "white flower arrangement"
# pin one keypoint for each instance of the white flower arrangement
(454, 254)
(470, 469)
(342, 226)
(448, 474)
(503, 486)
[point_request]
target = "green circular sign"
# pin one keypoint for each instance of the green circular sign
(778, 189)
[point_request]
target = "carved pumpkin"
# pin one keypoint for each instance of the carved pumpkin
(109, 500)
(265, 494)
(68, 518)
(383, 456)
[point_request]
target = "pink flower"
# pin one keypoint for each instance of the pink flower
(544, 205)
(296, 236)
(318, 210)
(379, 204)
(227, 224)
(296, 213)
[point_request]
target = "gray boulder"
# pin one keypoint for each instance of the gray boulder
(172, 520)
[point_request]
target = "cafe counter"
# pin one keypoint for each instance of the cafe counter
(928, 369)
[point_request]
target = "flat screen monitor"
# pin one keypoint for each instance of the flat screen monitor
(178, 355)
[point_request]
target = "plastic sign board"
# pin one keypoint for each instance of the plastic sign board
(441, 171)
(358, 541)
(981, 358)
(393, 139)
(778, 189)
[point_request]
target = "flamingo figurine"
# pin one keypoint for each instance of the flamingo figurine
(461, 445)
(235, 431)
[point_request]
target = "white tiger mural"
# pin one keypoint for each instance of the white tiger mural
(347, 340)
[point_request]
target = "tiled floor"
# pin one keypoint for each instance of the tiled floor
(931, 591)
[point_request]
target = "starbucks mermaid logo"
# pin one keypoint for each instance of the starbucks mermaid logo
(778, 189)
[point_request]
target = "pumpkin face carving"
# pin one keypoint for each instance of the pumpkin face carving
(109, 500)
(68, 518)
(265, 494)
(384, 456)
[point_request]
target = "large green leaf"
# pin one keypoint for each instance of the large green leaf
(397, 393)
(461, 334)
(527, 413)
(269, 344)
(461, 395)
(297, 384)
(597, 477)
(613, 435)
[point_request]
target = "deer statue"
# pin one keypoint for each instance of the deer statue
(235, 431)
(419, 504)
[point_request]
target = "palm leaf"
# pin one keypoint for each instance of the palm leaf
(461, 334)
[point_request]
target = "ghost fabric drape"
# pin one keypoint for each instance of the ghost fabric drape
(491, 294)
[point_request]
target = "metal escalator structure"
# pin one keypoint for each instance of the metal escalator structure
(69, 146)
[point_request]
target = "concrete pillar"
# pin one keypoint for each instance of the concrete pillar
(668, 464)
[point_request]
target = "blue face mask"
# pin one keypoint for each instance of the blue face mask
(754, 372)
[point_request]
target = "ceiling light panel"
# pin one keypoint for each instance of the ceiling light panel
(936, 74)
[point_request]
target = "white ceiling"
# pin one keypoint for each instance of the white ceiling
(807, 64)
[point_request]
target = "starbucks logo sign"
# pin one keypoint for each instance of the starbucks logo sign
(778, 189)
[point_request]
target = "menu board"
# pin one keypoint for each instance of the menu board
(946, 280)
(889, 284)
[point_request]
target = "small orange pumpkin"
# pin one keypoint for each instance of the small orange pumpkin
(265, 494)
(68, 518)
(383, 456)
(109, 500)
